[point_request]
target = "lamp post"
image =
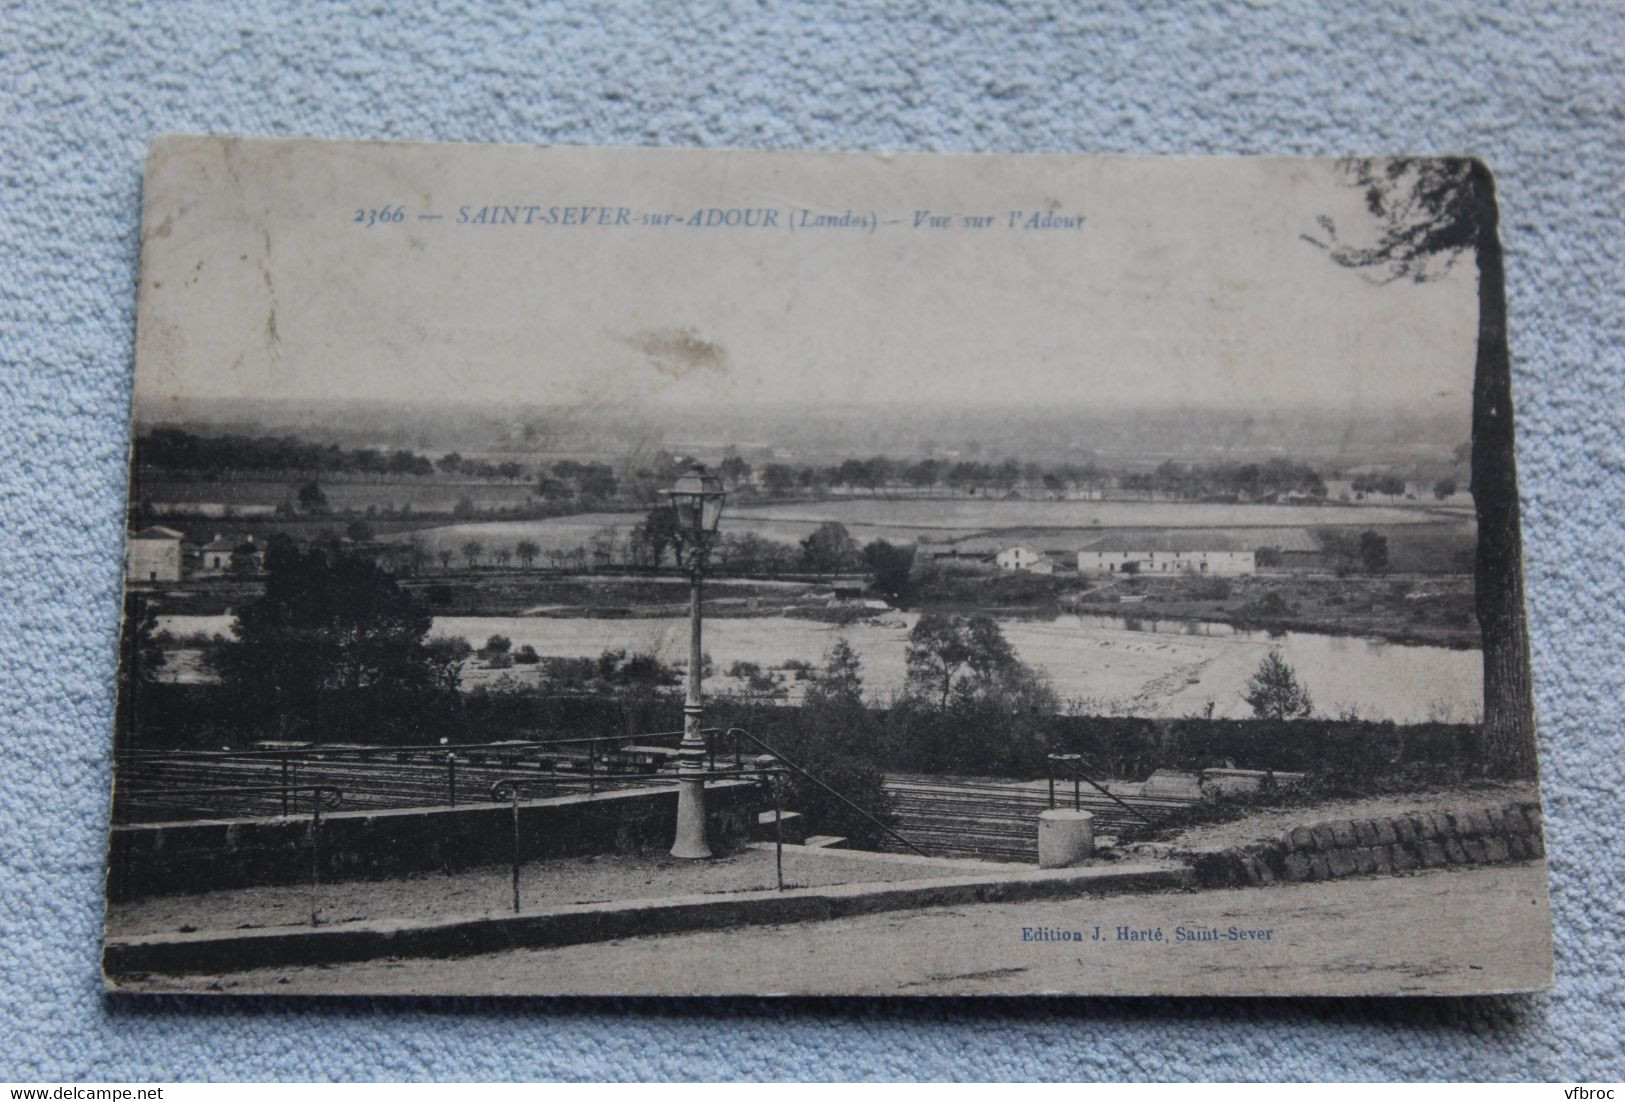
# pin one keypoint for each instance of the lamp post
(696, 498)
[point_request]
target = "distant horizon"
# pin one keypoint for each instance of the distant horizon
(1238, 407)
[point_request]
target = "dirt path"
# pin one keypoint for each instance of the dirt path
(1475, 930)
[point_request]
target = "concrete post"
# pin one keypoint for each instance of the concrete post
(1065, 838)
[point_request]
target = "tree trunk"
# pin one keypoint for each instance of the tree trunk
(1509, 720)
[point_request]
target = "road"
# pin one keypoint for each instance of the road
(1445, 932)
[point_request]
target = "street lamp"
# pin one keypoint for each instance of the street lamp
(696, 498)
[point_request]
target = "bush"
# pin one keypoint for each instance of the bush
(526, 655)
(1269, 607)
(858, 781)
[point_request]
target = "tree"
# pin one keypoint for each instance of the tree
(841, 685)
(735, 470)
(359, 531)
(1429, 212)
(941, 647)
(596, 480)
(472, 550)
(140, 659)
(924, 474)
(417, 552)
(988, 654)
(1444, 488)
(778, 479)
(311, 499)
(1391, 485)
(333, 647)
(655, 534)
(1374, 552)
(936, 653)
(527, 550)
(830, 549)
(1274, 691)
(503, 556)
(445, 556)
(638, 683)
(892, 567)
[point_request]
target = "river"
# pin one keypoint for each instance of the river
(1111, 664)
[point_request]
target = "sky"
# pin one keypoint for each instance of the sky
(440, 273)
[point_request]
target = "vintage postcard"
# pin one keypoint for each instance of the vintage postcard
(578, 571)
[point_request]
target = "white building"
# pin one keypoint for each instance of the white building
(1024, 558)
(217, 554)
(1159, 554)
(153, 555)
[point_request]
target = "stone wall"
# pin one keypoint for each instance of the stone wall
(1392, 844)
(152, 859)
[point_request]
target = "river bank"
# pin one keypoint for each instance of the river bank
(1404, 609)
(1430, 610)
(1098, 664)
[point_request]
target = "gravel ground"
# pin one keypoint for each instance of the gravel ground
(1446, 932)
(489, 890)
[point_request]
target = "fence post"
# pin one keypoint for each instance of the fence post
(1077, 797)
(451, 778)
(1051, 772)
(284, 786)
(515, 791)
(315, 855)
(592, 769)
(778, 831)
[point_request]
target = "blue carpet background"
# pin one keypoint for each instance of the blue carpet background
(1537, 90)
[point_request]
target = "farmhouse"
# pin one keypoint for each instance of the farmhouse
(153, 555)
(217, 555)
(1192, 551)
(1021, 557)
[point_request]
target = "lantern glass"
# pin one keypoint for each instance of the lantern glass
(697, 498)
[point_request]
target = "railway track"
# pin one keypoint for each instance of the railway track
(946, 817)
(994, 821)
(143, 788)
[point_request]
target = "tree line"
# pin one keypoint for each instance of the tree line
(645, 478)
(172, 449)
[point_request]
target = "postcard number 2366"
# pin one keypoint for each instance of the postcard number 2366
(379, 215)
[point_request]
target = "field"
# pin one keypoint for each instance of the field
(423, 495)
(571, 532)
(930, 516)
(983, 525)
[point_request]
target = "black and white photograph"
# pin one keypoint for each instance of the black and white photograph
(573, 571)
